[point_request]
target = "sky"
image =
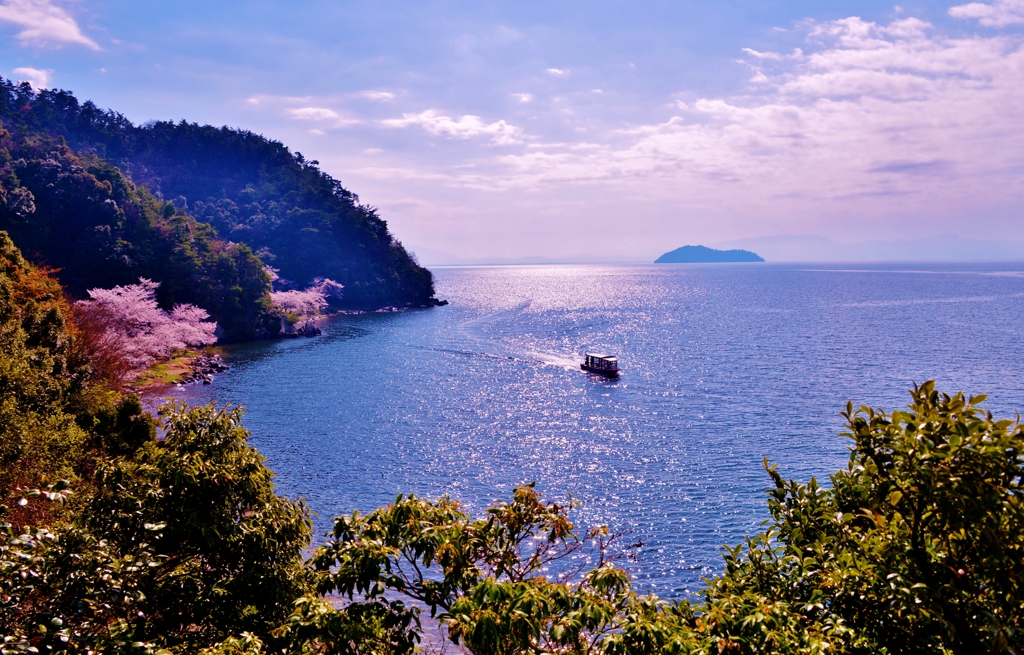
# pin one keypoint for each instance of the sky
(592, 131)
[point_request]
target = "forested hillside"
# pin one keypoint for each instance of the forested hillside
(198, 208)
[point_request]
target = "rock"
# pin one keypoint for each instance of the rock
(203, 369)
(309, 329)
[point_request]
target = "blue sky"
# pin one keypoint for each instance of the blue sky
(601, 131)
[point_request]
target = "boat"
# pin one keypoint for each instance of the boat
(607, 365)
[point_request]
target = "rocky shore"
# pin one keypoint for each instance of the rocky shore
(204, 367)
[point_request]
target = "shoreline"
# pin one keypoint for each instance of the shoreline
(182, 370)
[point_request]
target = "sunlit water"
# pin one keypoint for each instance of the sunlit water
(724, 365)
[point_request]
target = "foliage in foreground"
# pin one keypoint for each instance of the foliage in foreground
(183, 544)
(57, 412)
(37, 377)
(916, 547)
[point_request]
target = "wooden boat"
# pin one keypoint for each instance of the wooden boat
(602, 364)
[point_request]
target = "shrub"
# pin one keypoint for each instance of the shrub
(203, 497)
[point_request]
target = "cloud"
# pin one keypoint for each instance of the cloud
(874, 120)
(43, 24)
(38, 78)
(774, 56)
(870, 127)
(558, 72)
(319, 114)
(1000, 13)
(523, 97)
(312, 113)
(501, 133)
(763, 55)
(380, 96)
(911, 167)
(276, 99)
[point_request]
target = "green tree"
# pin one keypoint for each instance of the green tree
(519, 580)
(39, 439)
(67, 590)
(917, 547)
(231, 549)
(181, 545)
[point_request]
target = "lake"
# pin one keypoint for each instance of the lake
(724, 365)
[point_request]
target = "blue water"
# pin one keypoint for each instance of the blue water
(724, 365)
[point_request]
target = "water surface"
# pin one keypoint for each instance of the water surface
(724, 365)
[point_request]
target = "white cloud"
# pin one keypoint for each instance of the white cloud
(380, 96)
(763, 55)
(501, 133)
(271, 100)
(320, 115)
(43, 24)
(998, 14)
(312, 113)
(523, 97)
(558, 72)
(774, 56)
(38, 78)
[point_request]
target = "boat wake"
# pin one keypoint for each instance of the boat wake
(478, 339)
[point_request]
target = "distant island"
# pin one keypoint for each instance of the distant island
(705, 255)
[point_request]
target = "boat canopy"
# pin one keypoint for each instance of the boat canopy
(607, 358)
(599, 363)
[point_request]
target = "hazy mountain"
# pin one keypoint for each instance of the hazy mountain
(809, 248)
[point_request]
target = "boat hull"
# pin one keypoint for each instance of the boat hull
(607, 372)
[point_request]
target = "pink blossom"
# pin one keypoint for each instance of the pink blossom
(143, 331)
(328, 287)
(309, 302)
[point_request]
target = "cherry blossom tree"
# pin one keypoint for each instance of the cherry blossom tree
(140, 329)
(309, 302)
